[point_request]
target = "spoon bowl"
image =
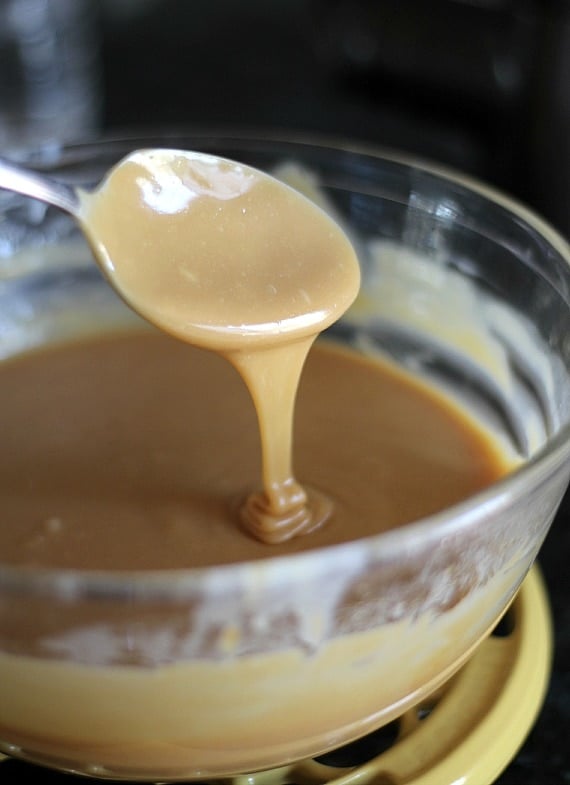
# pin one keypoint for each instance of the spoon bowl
(218, 253)
(177, 233)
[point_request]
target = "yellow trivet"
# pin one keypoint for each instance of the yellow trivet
(472, 728)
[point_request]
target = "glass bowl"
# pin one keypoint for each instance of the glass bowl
(189, 674)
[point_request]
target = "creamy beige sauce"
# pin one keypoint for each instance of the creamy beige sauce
(144, 447)
(227, 258)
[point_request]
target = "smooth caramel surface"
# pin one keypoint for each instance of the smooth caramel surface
(135, 451)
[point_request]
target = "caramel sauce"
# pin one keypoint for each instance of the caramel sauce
(230, 259)
(134, 451)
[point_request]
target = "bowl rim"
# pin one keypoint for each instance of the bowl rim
(278, 570)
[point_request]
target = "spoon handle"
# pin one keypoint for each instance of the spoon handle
(28, 183)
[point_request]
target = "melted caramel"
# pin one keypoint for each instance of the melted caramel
(227, 258)
(133, 451)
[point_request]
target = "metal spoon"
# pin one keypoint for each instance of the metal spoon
(182, 236)
(28, 183)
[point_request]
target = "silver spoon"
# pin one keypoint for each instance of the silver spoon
(28, 183)
(178, 233)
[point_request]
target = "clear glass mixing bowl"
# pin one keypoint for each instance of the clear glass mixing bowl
(199, 673)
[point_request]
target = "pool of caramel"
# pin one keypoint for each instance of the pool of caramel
(133, 450)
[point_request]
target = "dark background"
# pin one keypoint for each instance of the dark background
(481, 85)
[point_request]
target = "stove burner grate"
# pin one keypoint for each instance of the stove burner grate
(468, 731)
